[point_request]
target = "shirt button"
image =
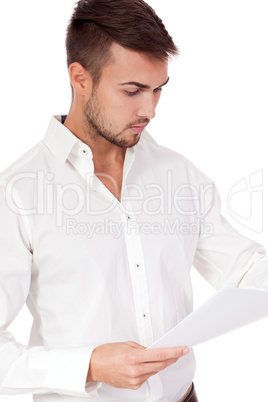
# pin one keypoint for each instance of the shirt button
(144, 316)
(138, 266)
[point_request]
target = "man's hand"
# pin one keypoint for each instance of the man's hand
(129, 365)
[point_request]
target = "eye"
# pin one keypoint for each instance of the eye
(156, 90)
(132, 93)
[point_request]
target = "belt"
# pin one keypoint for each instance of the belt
(190, 395)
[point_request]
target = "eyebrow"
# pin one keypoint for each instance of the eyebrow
(143, 86)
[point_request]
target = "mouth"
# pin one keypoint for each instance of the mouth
(138, 129)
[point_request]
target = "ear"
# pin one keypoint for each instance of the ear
(80, 79)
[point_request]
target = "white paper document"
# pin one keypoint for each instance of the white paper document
(227, 310)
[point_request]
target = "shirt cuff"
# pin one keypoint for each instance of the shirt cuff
(67, 370)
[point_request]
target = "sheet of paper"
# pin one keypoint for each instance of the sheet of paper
(228, 309)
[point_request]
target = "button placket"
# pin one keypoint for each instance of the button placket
(138, 278)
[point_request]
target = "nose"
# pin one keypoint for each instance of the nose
(147, 105)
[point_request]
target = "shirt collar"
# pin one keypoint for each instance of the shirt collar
(60, 140)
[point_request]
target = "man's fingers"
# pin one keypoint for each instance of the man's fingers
(141, 374)
(159, 355)
(146, 363)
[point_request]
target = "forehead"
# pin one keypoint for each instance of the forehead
(128, 65)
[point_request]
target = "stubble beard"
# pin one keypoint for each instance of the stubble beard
(98, 127)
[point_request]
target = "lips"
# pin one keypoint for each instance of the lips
(138, 129)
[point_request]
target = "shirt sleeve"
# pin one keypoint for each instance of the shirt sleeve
(225, 257)
(26, 369)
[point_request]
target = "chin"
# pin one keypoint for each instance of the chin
(134, 142)
(127, 143)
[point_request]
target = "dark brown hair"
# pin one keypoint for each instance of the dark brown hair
(96, 24)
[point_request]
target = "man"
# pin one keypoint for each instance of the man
(102, 226)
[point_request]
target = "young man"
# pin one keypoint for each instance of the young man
(102, 226)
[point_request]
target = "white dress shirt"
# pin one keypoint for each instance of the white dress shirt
(94, 270)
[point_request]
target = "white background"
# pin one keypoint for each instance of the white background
(213, 111)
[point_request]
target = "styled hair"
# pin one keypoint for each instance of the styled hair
(96, 24)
